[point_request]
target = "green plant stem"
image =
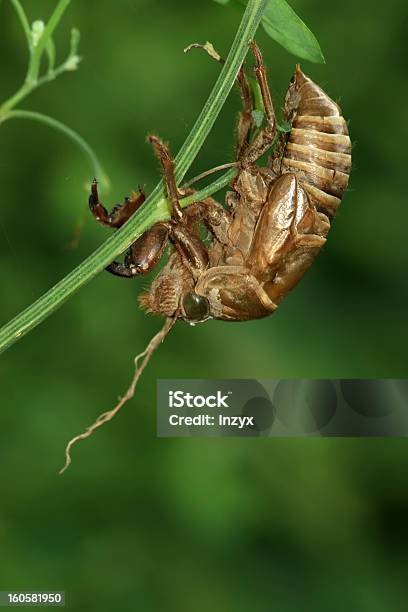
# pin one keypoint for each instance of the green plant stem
(35, 61)
(155, 208)
(27, 88)
(61, 127)
(209, 190)
(22, 93)
(24, 21)
(32, 81)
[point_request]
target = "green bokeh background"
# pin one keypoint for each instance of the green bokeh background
(140, 523)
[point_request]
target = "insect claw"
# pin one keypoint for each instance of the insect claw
(94, 196)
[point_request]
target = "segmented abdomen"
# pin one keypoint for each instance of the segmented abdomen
(318, 150)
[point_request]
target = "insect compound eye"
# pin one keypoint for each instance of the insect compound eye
(196, 308)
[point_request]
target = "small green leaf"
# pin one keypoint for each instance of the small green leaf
(283, 25)
(73, 59)
(284, 127)
(37, 30)
(256, 93)
(74, 42)
(258, 117)
(208, 48)
(72, 63)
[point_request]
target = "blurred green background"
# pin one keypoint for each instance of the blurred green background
(139, 523)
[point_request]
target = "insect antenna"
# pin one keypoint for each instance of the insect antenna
(208, 173)
(145, 356)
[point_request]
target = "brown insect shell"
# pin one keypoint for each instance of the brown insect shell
(147, 250)
(287, 237)
(318, 149)
(286, 215)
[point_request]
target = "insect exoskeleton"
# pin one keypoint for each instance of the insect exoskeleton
(275, 221)
(318, 149)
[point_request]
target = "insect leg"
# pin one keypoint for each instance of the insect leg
(266, 136)
(186, 240)
(119, 269)
(260, 73)
(144, 253)
(120, 213)
(163, 153)
(245, 119)
(214, 217)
